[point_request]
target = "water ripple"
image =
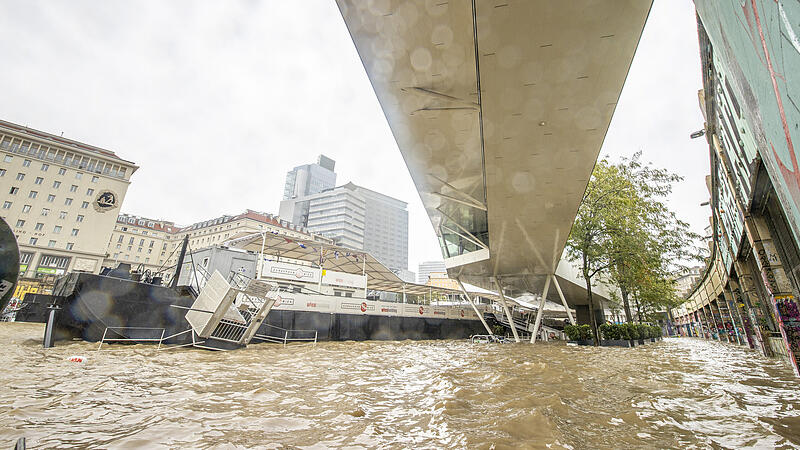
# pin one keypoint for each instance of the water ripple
(684, 393)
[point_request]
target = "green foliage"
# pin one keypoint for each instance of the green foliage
(578, 332)
(633, 331)
(498, 330)
(625, 233)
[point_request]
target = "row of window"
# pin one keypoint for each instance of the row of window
(45, 167)
(51, 197)
(7, 204)
(56, 228)
(51, 243)
(16, 145)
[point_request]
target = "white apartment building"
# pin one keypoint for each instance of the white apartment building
(61, 198)
(358, 218)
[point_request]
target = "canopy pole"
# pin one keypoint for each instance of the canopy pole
(321, 270)
(261, 255)
(474, 308)
(505, 308)
(540, 313)
(563, 300)
(404, 293)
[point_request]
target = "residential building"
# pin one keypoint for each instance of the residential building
(140, 241)
(685, 282)
(155, 244)
(427, 267)
(61, 199)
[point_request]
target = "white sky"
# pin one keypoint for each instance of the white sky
(217, 100)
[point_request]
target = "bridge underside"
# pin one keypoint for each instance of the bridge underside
(499, 109)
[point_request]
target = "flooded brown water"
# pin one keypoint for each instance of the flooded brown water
(685, 393)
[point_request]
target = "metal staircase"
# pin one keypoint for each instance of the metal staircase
(226, 315)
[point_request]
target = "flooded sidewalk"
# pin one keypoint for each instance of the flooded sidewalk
(680, 392)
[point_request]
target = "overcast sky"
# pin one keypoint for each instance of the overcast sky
(217, 100)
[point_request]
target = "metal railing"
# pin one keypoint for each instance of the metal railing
(285, 336)
(105, 339)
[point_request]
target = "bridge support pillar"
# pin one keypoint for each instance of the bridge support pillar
(505, 308)
(563, 300)
(540, 312)
(474, 308)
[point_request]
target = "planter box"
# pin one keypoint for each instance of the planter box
(634, 342)
(615, 343)
(641, 341)
(652, 339)
(581, 342)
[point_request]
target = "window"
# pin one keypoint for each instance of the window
(89, 191)
(33, 194)
(57, 229)
(74, 232)
(78, 175)
(2, 172)
(51, 198)
(20, 176)
(85, 205)
(26, 208)
(51, 243)
(119, 246)
(56, 184)
(70, 245)
(130, 242)
(6, 205)
(73, 188)
(38, 180)
(120, 239)
(139, 250)
(32, 241)
(79, 218)
(62, 171)
(13, 190)
(95, 179)
(26, 163)
(141, 242)
(20, 223)
(8, 158)
(45, 167)
(45, 211)
(62, 215)
(68, 201)
(38, 227)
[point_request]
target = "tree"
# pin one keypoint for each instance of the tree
(589, 241)
(625, 233)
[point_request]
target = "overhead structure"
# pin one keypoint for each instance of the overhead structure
(499, 109)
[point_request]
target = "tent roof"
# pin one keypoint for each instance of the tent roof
(341, 259)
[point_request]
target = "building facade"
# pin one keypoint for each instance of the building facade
(140, 241)
(61, 198)
(358, 218)
(310, 178)
(155, 245)
(748, 293)
(427, 267)
(303, 181)
(338, 213)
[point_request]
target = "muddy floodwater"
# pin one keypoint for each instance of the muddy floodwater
(685, 393)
